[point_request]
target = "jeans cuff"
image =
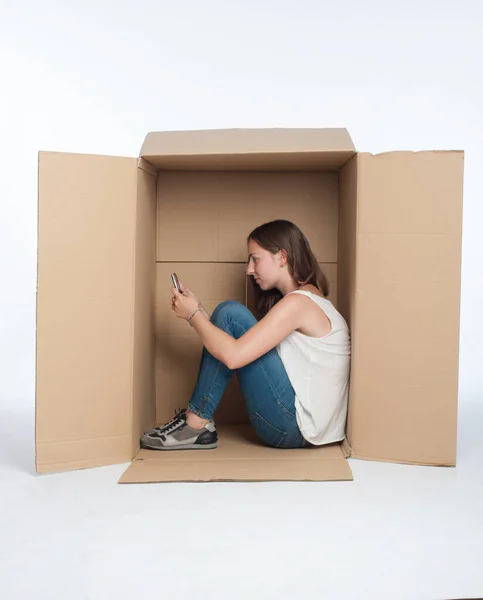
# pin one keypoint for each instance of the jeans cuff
(200, 413)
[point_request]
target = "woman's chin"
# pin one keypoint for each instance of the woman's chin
(265, 287)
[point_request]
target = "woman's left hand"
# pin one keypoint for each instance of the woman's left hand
(183, 303)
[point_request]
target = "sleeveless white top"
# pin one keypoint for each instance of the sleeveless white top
(318, 369)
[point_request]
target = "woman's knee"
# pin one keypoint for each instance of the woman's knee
(228, 307)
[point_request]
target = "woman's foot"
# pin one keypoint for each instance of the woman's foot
(178, 434)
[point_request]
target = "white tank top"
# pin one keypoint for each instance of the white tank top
(318, 369)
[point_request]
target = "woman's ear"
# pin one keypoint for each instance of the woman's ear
(283, 257)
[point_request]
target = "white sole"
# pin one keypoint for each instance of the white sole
(187, 447)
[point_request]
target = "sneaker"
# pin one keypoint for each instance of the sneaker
(179, 413)
(178, 435)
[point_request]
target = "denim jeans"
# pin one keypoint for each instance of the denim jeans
(267, 391)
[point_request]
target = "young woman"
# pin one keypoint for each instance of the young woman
(292, 365)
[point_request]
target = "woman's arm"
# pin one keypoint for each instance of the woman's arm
(281, 320)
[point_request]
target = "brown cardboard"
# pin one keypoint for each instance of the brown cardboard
(205, 216)
(144, 332)
(347, 236)
(112, 359)
(249, 149)
(240, 456)
(86, 238)
(406, 327)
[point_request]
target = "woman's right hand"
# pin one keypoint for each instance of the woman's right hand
(187, 292)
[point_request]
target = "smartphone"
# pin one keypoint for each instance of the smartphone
(175, 280)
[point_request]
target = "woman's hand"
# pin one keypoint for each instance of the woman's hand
(184, 303)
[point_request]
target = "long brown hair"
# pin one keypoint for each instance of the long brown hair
(302, 264)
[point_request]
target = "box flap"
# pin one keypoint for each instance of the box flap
(85, 296)
(144, 339)
(240, 456)
(405, 322)
(249, 149)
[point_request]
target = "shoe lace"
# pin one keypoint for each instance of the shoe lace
(179, 418)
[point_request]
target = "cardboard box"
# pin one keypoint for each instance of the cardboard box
(112, 359)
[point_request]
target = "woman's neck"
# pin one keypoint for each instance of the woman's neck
(288, 286)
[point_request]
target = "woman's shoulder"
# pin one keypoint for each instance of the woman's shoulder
(312, 290)
(324, 303)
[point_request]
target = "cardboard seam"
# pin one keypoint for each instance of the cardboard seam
(147, 167)
(226, 262)
(346, 162)
(239, 458)
(413, 233)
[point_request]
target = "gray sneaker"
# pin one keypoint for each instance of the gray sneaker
(179, 413)
(178, 435)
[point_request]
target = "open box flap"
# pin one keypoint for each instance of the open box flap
(240, 456)
(405, 322)
(85, 296)
(249, 149)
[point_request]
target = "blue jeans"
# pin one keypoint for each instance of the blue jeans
(267, 391)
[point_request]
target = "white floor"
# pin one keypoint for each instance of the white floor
(395, 532)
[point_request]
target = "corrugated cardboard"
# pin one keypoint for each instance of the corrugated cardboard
(240, 456)
(249, 149)
(144, 333)
(206, 216)
(85, 317)
(407, 290)
(112, 359)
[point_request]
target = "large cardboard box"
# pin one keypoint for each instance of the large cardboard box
(112, 359)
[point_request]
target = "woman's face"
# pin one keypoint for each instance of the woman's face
(263, 265)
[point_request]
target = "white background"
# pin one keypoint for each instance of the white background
(95, 77)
